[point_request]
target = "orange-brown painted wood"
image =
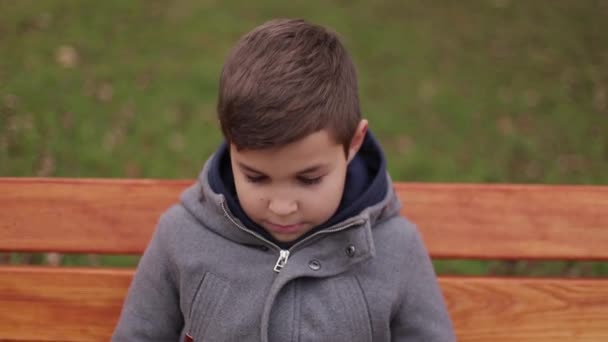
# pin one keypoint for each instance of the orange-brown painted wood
(62, 304)
(510, 221)
(527, 309)
(456, 220)
(82, 215)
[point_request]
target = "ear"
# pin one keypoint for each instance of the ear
(357, 141)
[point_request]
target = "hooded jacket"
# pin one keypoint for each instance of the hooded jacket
(208, 276)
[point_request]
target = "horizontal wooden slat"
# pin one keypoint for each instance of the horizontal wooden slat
(510, 221)
(83, 305)
(528, 310)
(47, 304)
(456, 220)
(82, 215)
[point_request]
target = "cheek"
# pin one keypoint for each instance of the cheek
(322, 204)
(250, 197)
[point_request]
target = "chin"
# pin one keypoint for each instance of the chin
(286, 238)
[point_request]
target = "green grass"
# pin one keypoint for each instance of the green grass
(473, 91)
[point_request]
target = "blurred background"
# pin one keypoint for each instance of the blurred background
(457, 91)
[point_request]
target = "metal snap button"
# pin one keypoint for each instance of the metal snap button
(314, 265)
(350, 250)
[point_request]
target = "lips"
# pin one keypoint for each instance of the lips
(284, 228)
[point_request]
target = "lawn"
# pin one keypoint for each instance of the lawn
(471, 91)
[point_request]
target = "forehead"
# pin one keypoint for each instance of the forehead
(315, 148)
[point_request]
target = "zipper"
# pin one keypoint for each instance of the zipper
(283, 253)
(283, 257)
(329, 231)
(247, 230)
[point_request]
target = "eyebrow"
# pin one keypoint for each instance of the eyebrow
(310, 169)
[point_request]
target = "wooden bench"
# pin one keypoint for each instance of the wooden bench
(487, 222)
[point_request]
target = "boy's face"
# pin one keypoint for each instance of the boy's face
(291, 189)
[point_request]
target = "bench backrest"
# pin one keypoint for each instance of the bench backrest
(457, 221)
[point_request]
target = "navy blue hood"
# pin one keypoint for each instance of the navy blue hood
(366, 184)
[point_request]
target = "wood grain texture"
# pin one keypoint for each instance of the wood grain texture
(510, 221)
(59, 304)
(527, 310)
(456, 220)
(82, 216)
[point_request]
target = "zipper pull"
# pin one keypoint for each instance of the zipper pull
(283, 257)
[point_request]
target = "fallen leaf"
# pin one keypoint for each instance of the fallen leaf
(105, 92)
(67, 56)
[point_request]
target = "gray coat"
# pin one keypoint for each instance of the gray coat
(368, 278)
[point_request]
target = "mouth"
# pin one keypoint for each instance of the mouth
(290, 228)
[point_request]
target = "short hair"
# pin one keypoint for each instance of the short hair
(284, 80)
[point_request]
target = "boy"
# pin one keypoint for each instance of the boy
(292, 232)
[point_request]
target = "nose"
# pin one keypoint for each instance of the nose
(282, 207)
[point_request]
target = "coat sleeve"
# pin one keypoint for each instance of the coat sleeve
(421, 314)
(151, 310)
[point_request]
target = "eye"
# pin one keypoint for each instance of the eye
(310, 181)
(256, 179)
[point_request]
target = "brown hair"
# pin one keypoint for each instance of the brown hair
(285, 80)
